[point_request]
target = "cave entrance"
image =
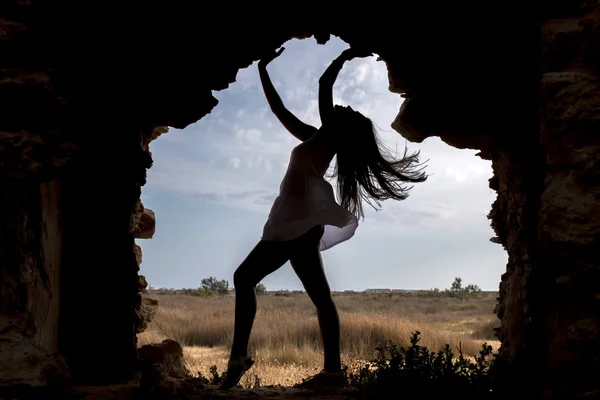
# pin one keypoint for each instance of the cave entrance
(212, 185)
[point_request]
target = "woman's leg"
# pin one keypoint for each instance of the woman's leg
(265, 258)
(306, 261)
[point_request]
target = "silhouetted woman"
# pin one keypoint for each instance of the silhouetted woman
(306, 219)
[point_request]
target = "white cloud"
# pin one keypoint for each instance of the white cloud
(206, 180)
(267, 165)
(251, 136)
(235, 162)
(461, 174)
(260, 162)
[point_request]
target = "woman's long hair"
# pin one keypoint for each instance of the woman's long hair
(365, 168)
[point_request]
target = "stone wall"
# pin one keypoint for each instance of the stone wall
(546, 216)
(44, 305)
(30, 256)
(569, 228)
(100, 282)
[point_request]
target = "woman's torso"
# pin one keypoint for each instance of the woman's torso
(307, 162)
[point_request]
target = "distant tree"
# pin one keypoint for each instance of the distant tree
(456, 285)
(456, 291)
(472, 289)
(213, 285)
(260, 289)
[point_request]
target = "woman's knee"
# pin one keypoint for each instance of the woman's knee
(242, 279)
(265, 258)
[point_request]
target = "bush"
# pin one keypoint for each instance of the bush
(400, 372)
(456, 291)
(212, 285)
(260, 289)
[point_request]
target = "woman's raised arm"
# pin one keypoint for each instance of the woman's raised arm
(299, 129)
(326, 110)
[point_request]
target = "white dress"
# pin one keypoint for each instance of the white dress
(306, 199)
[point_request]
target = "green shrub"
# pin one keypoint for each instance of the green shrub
(416, 371)
(213, 285)
(260, 289)
(456, 291)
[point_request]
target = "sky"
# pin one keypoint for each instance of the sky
(213, 183)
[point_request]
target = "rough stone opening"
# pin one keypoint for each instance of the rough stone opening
(179, 148)
(81, 102)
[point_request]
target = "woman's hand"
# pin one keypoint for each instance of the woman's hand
(354, 52)
(270, 57)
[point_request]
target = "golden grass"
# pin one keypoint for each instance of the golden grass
(286, 339)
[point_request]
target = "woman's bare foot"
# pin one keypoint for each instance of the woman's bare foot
(235, 370)
(324, 380)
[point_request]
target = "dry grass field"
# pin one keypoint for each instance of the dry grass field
(286, 341)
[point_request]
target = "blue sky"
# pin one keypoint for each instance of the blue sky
(212, 185)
